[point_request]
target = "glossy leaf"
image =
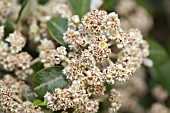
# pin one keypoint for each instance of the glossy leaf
(37, 66)
(103, 107)
(79, 7)
(158, 54)
(42, 2)
(9, 27)
(48, 79)
(38, 102)
(108, 5)
(27, 8)
(56, 27)
(22, 9)
(161, 74)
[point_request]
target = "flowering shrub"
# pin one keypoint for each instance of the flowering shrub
(65, 59)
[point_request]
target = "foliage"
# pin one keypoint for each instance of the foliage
(44, 80)
(158, 54)
(80, 7)
(56, 27)
(48, 79)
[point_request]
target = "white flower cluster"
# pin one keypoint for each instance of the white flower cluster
(56, 8)
(95, 39)
(46, 49)
(159, 108)
(134, 16)
(11, 58)
(73, 97)
(48, 55)
(115, 99)
(5, 8)
(16, 86)
(9, 105)
(38, 29)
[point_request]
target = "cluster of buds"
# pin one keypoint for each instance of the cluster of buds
(46, 49)
(10, 56)
(38, 29)
(131, 92)
(160, 94)
(73, 97)
(8, 103)
(50, 56)
(12, 83)
(159, 108)
(97, 38)
(17, 87)
(5, 6)
(56, 7)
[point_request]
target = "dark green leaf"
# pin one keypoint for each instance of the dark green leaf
(158, 53)
(108, 88)
(161, 74)
(48, 79)
(42, 2)
(36, 67)
(56, 27)
(79, 7)
(26, 91)
(103, 107)
(9, 27)
(168, 46)
(27, 8)
(38, 102)
(22, 9)
(108, 5)
(2, 73)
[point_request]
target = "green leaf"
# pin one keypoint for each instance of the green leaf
(27, 8)
(108, 5)
(36, 67)
(48, 79)
(26, 91)
(167, 46)
(9, 27)
(79, 7)
(108, 88)
(56, 27)
(42, 2)
(21, 10)
(161, 74)
(2, 73)
(158, 54)
(38, 102)
(103, 107)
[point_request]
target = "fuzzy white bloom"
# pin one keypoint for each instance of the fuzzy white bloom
(5, 6)
(17, 42)
(91, 41)
(9, 105)
(134, 16)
